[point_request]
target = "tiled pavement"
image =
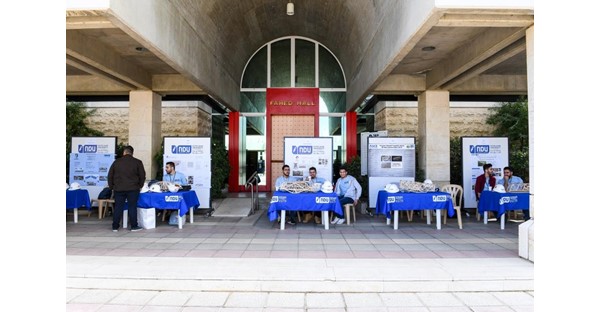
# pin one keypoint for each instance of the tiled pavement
(248, 264)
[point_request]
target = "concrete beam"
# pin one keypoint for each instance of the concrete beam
(479, 49)
(90, 53)
(174, 84)
(503, 19)
(401, 84)
(159, 27)
(88, 22)
(400, 30)
(493, 84)
(512, 50)
(88, 84)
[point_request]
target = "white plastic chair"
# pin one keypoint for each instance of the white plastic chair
(456, 191)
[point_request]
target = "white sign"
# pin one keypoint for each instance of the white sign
(476, 152)
(301, 153)
(390, 160)
(89, 162)
(93, 145)
(363, 148)
(192, 157)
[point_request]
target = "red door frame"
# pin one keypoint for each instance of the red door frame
(283, 101)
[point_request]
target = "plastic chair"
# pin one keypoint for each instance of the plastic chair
(103, 205)
(350, 208)
(456, 191)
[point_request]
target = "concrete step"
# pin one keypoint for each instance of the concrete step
(300, 275)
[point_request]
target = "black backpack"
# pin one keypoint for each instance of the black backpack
(106, 193)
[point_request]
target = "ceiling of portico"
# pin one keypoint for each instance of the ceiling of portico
(475, 51)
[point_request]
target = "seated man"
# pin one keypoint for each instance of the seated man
(285, 178)
(312, 178)
(509, 179)
(348, 190)
(174, 176)
(484, 182)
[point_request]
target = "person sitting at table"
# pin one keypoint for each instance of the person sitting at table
(348, 191)
(509, 179)
(173, 176)
(484, 182)
(285, 178)
(312, 179)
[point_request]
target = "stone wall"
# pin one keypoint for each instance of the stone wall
(398, 119)
(465, 119)
(186, 120)
(112, 121)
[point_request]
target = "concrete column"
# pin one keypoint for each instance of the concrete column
(526, 229)
(145, 128)
(530, 93)
(434, 135)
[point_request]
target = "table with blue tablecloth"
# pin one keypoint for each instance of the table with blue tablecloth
(387, 202)
(499, 203)
(77, 199)
(183, 201)
(318, 201)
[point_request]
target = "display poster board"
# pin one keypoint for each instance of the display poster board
(89, 161)
(192, 157)
(363, 147)
(301, 153)
(389, 160)
(476, 152)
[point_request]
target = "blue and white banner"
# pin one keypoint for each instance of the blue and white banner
(192, 157)
(476, 152)
(89, 161)
(390, 160)
(301, 153)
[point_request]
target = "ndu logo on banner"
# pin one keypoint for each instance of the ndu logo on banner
(181, 149)
(301, 150)
(479, 149)
(87, 148)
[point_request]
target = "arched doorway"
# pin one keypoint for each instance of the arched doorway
(288, 67)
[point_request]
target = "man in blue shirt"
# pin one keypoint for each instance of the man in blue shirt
(285, 178)
(348, 190)
(312, 179)
(312, 176)
(174, 176)
(509, 179)
(281, 180)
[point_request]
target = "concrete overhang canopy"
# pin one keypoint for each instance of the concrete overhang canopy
(191, 47)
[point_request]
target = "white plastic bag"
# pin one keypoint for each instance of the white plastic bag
(146, 218)
(173, 218)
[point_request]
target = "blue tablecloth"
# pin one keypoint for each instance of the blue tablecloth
(169, 201)
(78, 199)
(386, 202)
(318, 201)
(502, 202)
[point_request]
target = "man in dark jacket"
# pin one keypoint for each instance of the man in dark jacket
(126, 177)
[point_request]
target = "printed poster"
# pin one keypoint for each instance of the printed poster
(192, 157)
(389, 159)
(476, 152)
(89, 162)
(301, 153)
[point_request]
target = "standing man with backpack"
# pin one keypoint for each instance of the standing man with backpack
(126, 177)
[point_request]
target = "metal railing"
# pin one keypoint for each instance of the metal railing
(252, 183)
